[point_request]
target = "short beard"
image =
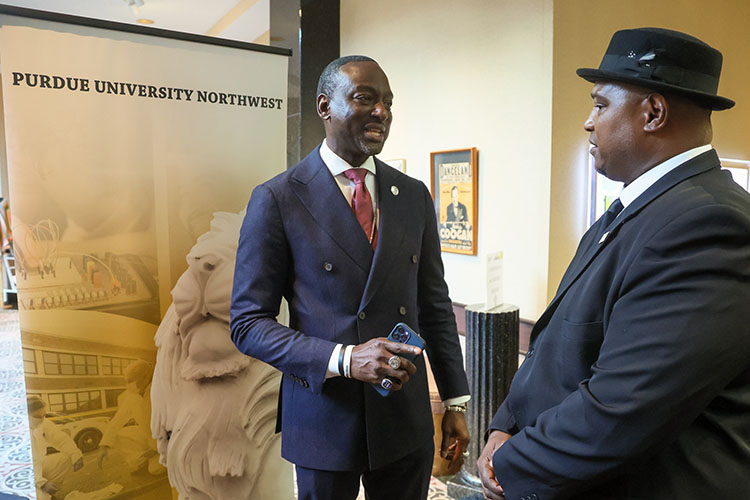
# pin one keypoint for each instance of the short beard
(368, 148)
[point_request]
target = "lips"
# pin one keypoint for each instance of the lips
(375, 132)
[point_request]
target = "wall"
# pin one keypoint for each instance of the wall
(582, 29)
(473, 73)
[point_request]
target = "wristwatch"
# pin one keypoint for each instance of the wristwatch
(458, 408)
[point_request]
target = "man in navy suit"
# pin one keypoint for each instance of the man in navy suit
(352, 245)
(636, 384)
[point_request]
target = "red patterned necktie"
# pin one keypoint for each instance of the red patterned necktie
(361, 201)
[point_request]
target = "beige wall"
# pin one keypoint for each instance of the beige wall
(473, 73)
(484, 74)
(582, 29)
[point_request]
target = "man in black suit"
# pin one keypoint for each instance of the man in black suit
(456, 211)
(352, 244)
(636, 384)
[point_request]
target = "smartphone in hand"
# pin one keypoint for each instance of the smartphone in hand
(404, 334)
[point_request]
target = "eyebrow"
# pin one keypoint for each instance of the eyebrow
(367, 88)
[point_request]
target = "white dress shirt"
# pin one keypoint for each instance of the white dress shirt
(338, 166)
(636, 188)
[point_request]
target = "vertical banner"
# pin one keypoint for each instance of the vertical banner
(120, 151)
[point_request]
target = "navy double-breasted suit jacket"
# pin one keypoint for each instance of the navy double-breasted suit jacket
(637, 380)
(300, 240)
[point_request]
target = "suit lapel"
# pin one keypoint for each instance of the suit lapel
(591, 249)
(394, 210)
(318, 191)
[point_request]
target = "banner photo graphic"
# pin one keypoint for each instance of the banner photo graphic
(130, 161)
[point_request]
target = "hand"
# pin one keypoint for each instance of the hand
(370, 362)
(78, 465)
(102, 456)
(490, 487)
(455, 435)
(50, 488)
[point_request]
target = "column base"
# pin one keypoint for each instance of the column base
(464, 487)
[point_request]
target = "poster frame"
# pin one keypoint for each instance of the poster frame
(467, 155)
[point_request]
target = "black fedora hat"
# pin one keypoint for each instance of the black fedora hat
(665, 61)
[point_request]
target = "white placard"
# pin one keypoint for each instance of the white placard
(494, 280)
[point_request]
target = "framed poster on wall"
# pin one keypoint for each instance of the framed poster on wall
(399, 164)
(453, 183)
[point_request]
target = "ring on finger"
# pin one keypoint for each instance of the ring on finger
(394, 362)
(386, 384)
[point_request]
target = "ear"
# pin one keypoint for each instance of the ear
(324, 107)
(655, 112)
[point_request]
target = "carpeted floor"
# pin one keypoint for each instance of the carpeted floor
(16, 476)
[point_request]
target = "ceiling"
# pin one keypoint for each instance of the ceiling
(244, 20)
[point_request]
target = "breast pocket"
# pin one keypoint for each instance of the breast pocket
(580, 345)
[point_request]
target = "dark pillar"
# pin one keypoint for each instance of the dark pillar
(491, 362)
(319, 44)
(285, 29)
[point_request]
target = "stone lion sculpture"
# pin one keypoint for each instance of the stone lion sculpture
(214, 409)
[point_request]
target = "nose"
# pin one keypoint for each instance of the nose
(588, 125)
(381, 111)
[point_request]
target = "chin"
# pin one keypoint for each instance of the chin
(370, 148)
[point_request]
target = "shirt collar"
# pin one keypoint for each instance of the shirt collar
(647, 179)
(337, 165)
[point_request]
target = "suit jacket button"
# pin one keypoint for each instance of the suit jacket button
(361, 315)
(402, 311)
(328, 267)
(414, 258)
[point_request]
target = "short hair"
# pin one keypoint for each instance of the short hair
(34, 403)
(454, 188)
(331, 77)
(136, 370)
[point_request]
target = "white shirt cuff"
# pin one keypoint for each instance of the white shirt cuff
(333, 363)
(456, 401)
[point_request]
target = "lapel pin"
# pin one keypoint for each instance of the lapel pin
(604, 237)
(394, 190)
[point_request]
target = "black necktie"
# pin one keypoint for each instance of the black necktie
(612, 212)
(609, 216)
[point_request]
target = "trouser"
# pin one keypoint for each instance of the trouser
(57, 467)
(406, 479)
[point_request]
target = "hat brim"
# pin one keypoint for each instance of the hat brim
(715, 102)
